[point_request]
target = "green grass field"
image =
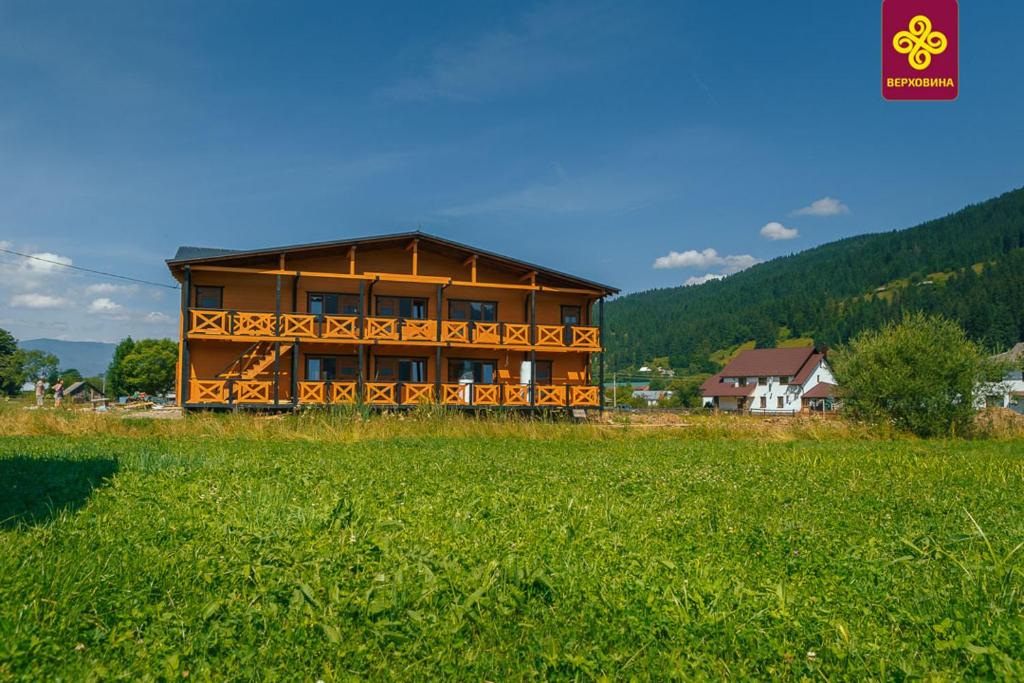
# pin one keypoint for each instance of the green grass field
(496, 558)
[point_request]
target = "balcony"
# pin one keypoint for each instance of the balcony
(253, 326)
(396, 394)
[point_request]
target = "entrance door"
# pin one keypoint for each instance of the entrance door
(570, 317)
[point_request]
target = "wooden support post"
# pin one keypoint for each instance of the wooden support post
(352, 260)
(362, 306)
(295, 292)
(414, 247)
(437, 374)
(295, 373)
(440, 296)
(186, 296)
(600, 343)
(277, 333)
(360, 378)
(277, 373)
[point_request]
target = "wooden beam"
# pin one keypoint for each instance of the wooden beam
(280, 262)
(352, 260)
(414, 246)
(268, 271)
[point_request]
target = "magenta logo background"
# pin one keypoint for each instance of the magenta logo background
(940, 80)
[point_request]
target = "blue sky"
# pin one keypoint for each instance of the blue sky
(597, 138)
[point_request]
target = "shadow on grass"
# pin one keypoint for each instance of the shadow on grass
(34, 490)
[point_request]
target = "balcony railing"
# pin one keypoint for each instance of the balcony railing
(258, 392)
(222, 323)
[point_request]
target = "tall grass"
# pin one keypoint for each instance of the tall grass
(352, 424)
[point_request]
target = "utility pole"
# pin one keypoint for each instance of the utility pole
(615, 390)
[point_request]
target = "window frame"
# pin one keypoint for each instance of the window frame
(551, 372)
(309, 302)
(399, 297)
(492, 361)
(579, 314)
(220, 296)
(309, 356)
(399, 359)
(473, 301)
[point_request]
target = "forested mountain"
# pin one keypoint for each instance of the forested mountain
(968, 266)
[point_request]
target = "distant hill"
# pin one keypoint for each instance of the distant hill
(89, 358)
(968, 266)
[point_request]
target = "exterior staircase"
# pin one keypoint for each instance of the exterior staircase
(254, 361)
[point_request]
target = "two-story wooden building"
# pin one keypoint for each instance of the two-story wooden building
(393, 320)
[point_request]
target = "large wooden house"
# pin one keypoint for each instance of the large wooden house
(394, 320)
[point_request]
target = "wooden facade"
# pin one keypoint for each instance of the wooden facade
(390, 321)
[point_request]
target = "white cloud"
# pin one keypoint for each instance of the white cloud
(157, 318)
(707, 258)
(108, 288)
(104, 305)
(778, 231)
(48, 264)
(701, 279)
(35, 300)
(826, 206)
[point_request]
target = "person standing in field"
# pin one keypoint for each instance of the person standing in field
(58, 392)
(40, 392)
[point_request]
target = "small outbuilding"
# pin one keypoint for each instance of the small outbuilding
(84, 392)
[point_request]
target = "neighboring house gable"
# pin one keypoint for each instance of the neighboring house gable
(770, 380)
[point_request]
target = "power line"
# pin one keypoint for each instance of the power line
(90, 270)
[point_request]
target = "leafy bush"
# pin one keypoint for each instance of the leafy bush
(920, 374)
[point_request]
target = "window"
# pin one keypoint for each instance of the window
(328, 303)
(762, 381)
(778, 403)
(209, 297)
(479, 371)
(543, 372)
(391, 369)
(327, 368)
(480, 311)
(571, 315)
(402, 307)
(764, 403)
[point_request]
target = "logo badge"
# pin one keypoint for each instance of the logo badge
(920, 50)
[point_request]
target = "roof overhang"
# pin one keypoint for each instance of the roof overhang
(228, 257)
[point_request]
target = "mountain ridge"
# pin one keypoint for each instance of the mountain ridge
(815, 293)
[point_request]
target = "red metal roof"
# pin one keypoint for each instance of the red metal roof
(766, 362)
(821, 390)
(810, 366)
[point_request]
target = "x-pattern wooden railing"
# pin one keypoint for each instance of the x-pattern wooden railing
(253, 391)
(486, 395)
(382, 328)
(517, 334)
(312, 392)
(208, 391)
(340, 327)
(254, 324)
(550, 335)
(380, 393)
(209, 322)
(550, 395)
(419, 330)
(584, 395)
(455, 331)
(455, 394)
(343, 392)
(516, 394)
(298, 325)
(486, 333)
(417, 393)
(205, 322)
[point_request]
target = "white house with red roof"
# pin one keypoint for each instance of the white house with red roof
(783, 381)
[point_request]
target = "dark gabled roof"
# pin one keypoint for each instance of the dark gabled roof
(714, 386)
(193, 253)
(79, 386)
(190, 255)
(768, 362)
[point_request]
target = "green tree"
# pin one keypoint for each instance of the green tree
(919, 374)
(70, 376)
(25, 366)
(149, 366)
(116, 385)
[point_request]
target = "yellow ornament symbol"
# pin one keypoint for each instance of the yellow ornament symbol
(919, 42)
